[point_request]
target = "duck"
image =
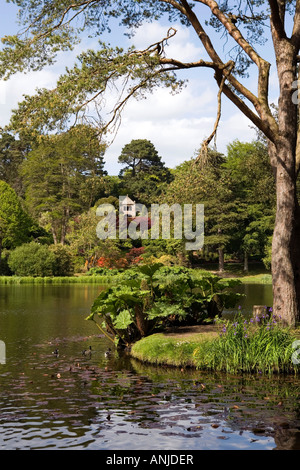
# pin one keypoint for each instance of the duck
(107, 353)
(87, 352)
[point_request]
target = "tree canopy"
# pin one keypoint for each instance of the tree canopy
(140, 156)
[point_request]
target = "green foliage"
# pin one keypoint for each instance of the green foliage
(64, 265)
(14, 222)
(151, 295)
(267, 259)
(4, 268)
(238, 346)
(77, 89)
(56, 280)
(140, 156)
(12, 154)
(160, 349)
(207, 182)
(32, 259)
(103, 272)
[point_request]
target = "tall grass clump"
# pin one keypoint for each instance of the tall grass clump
(261, 344)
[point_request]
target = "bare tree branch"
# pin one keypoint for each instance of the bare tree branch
(206, 142)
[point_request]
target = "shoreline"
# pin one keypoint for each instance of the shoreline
(17, 280)
(106, 280)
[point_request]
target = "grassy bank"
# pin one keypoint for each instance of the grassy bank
(257, 346)
(101, 280)
(257, 279)
(162, 349)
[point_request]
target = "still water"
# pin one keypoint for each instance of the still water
(74, 401)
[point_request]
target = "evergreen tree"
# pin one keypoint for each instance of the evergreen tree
(62, 177)
(12, 153)
(145, 174)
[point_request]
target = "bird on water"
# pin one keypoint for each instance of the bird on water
(107, 353)
(87, 352)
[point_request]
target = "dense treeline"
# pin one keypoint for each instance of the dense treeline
(51, 187)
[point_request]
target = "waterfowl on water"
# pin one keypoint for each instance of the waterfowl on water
(87, 352)
(107, 353)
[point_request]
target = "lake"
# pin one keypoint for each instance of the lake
(74, 401)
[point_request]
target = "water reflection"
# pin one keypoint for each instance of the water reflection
(255, 294)
(91, 402)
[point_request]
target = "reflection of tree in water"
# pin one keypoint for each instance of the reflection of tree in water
(287, 436)
(287, 439)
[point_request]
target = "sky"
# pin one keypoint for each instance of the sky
(175, 124)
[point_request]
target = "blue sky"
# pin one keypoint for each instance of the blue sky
(175, 124)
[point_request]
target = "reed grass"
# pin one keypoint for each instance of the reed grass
(263, 346)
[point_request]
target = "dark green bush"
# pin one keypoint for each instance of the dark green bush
(4, 268)
(103, 271)
(32, 259)
(64, 264)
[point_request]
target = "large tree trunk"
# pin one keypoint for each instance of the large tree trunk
(285, 250)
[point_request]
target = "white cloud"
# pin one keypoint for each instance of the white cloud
(161, 105)
(175, 124)
(236, 126)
